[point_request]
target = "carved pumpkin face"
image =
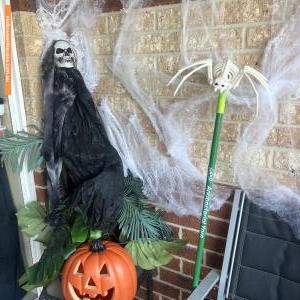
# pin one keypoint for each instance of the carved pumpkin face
(105, 275)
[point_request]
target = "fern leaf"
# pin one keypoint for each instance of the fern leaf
(19, 149)
(137, 219)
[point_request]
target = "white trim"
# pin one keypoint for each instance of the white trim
(18, 119)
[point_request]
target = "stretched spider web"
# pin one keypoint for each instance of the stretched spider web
(163, 159)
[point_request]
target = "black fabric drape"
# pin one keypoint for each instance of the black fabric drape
(76, 146)
(11, 263)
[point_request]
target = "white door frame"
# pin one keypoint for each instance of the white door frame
(18, 119)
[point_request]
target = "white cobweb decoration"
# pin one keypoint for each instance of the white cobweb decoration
(71, 20)
(171, 180)
(281, 65)
(166, 167)
(170, 177)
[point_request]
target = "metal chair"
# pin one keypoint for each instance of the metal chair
(261, 259)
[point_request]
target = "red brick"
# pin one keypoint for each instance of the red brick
(155, 276)
(212, 243)
(215, 244)
(41, 195)
(165, 289)
(39, 179)
(185, 295)
(188, 269)
(155, 296)
(188, 253)
(175, 279)
(190, 236)
(111, 5)
(187, 221)
(142, 294)
(213, 294)
(214, 260)
(224, 212)
(174, 264)
(175, 231)
(217, 227)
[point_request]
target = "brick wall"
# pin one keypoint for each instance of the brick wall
(174, 281)
(247, 25)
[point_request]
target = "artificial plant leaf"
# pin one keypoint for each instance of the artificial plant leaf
(137, 219)
(95, 234)
(79, 230)
(44, 236)
(48, 268)
(31, 221)
(69, 250)
(19, 149)
(152, 254)
(174, 245)
(43, 272)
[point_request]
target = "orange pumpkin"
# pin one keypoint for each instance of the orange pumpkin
(102, 271)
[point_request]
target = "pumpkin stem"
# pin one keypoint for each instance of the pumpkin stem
(97, 246)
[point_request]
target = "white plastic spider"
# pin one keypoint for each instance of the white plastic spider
(224, 76)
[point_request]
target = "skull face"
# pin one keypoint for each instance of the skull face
(64, 55)
(225, 76)
(222, 84)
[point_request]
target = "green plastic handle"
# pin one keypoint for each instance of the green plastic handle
(221, 106)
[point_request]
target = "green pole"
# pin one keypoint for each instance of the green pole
(221, 105)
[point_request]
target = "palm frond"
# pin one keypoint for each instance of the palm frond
(137, 219)
(149, 254)
(19, 149)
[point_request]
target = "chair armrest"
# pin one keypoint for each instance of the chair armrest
(205, 286)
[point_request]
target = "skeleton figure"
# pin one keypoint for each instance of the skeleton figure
(64, 55)
(82, 166)
(224, 76)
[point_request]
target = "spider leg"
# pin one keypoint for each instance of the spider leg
(255, 90)
(200, 62)
(188, 75)
(210, 76)
(248, 71)
(258, 76)
(237, 80)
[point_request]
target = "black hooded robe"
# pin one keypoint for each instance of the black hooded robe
(76, 143)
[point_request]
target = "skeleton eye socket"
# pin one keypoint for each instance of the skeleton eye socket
(69, 50)
(59, 51)
(222, 85)
(216, 83)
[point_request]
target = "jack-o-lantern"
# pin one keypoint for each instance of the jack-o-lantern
(102, 271)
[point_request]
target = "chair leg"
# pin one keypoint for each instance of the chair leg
(149, 280)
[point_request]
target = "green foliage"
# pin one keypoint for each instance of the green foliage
(80, 232)
(31, 221)
(95, 234)
(152, 254)
(137, 219)
(16, 149)
(48, 268)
